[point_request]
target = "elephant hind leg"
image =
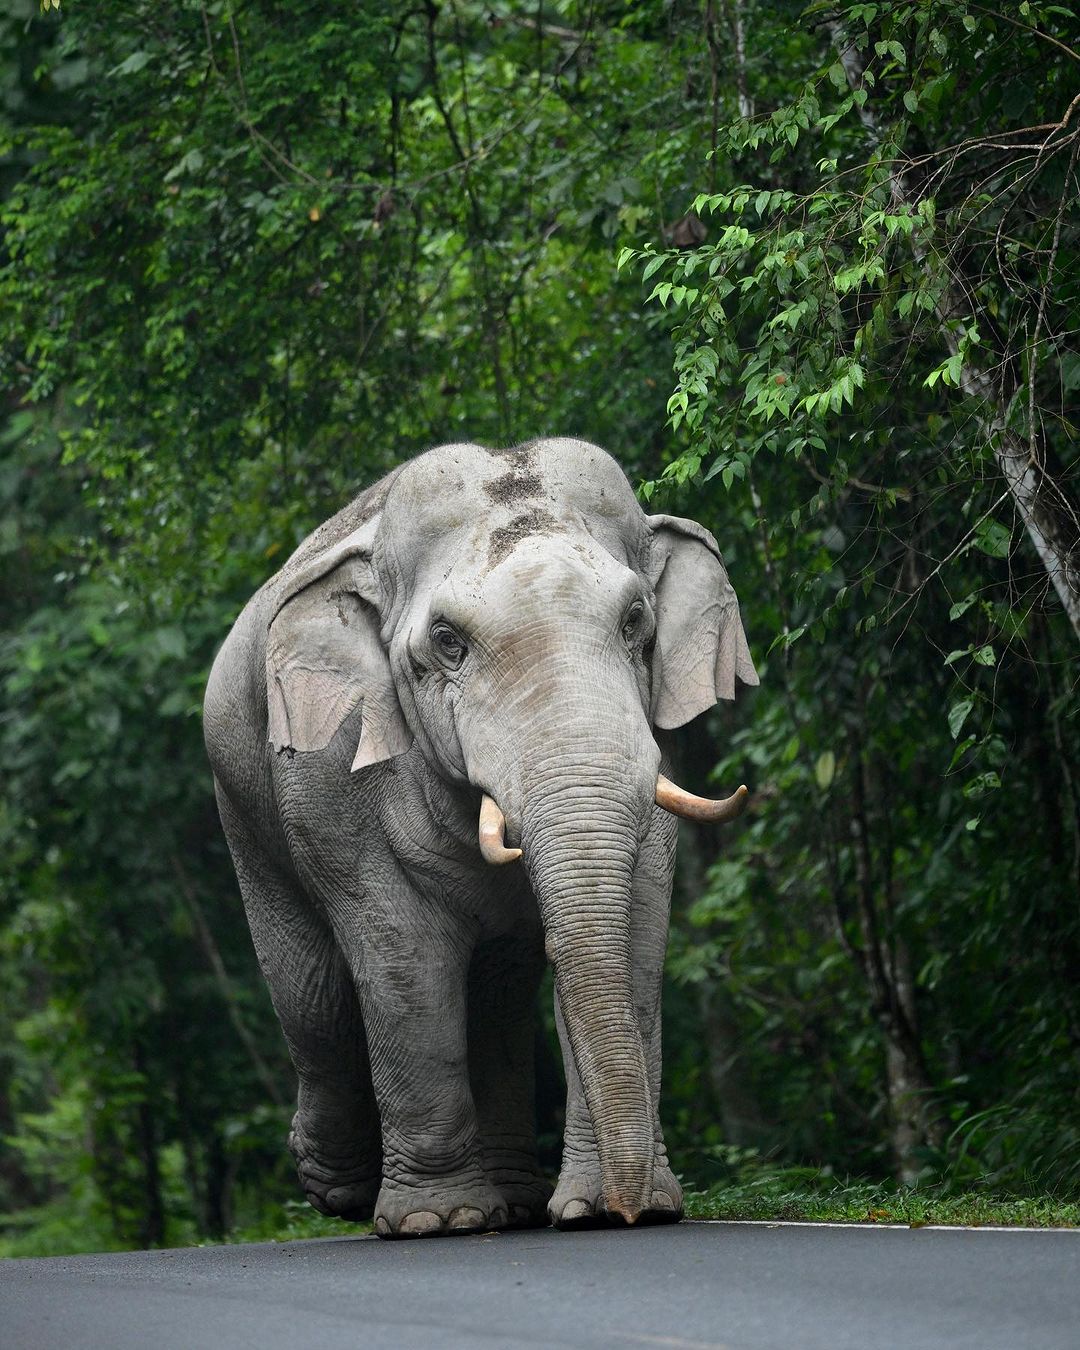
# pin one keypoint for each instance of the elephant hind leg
(334, 1137)
(504, 979)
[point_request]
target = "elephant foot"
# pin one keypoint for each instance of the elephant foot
(526, 1201)
(510, 1166)
(431, 1208)
(579, 1202)
(340, 1188)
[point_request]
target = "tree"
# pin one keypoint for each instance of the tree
(254, 256)
(887, 313)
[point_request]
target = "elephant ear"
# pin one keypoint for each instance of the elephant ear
(325, 656)
(698, 629)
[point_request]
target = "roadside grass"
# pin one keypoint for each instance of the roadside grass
(762, 1192)
(797, 1194)
(52, 1230)
(291, 1222)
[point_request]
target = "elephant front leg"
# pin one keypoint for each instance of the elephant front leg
(411, 970)
(504, 980)
(578, 1199)
(334, 1137)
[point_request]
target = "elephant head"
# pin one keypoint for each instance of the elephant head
(521, 619)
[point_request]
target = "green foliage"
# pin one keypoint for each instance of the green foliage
(756, 1191)
(832, 342)
(254, 256)
(292, 1221)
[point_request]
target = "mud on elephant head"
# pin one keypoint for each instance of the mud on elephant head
(518, 617)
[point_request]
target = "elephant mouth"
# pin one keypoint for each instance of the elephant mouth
(669, 796)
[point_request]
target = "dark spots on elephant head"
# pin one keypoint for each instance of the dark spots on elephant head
(518, 480)
(517, 485)
(507, 537)
(520, 455)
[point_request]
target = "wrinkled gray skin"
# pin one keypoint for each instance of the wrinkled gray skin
(350, 750)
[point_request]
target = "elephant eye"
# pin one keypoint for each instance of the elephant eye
(632, 622)
(449, 646)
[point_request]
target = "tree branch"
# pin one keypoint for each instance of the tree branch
(1050, 515)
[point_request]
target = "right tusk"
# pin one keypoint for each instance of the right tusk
(493, 834)
(682, 803)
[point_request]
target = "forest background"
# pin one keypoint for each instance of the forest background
(812, 276)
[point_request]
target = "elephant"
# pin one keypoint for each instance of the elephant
(436, 737)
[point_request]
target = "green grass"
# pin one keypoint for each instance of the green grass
(787, 1194)
(760, 1191)
(774, 1193)
(59, 1230)
(802, 1194)
(293, 1220)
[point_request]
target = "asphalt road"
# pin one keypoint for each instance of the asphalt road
(689, 1287)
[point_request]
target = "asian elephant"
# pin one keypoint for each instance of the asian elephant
(432, 735)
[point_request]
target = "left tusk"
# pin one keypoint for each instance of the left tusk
(493, 834)
(682, 803)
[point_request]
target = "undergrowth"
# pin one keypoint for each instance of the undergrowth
(808, 1195)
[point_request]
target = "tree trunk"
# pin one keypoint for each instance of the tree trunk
(740, 1114)
(221, 975)
(17, 1191)
(741, 1117)
(218, 1210)
(886, 965)
(1036, 484)
(152, 1219)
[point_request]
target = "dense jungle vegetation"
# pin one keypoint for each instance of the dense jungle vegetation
(812, 276)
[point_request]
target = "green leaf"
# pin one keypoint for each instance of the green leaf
(981, 784)
(958, 715)
(132, 65)
(992, 538)
(825, 769)
(192, 162)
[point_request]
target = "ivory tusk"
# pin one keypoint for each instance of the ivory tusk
(682, 803)
(493, 834)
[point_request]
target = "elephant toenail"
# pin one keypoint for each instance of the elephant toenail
(465, 1219)
(318, 1202)
(660, 1200)
(421, 1224)
(576, 1209)
(382, 1227)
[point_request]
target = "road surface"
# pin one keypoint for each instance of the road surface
(694, 1286)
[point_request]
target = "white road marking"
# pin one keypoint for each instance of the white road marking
(869, 1226)
(676, 1342)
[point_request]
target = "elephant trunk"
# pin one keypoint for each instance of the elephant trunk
(580, 847)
